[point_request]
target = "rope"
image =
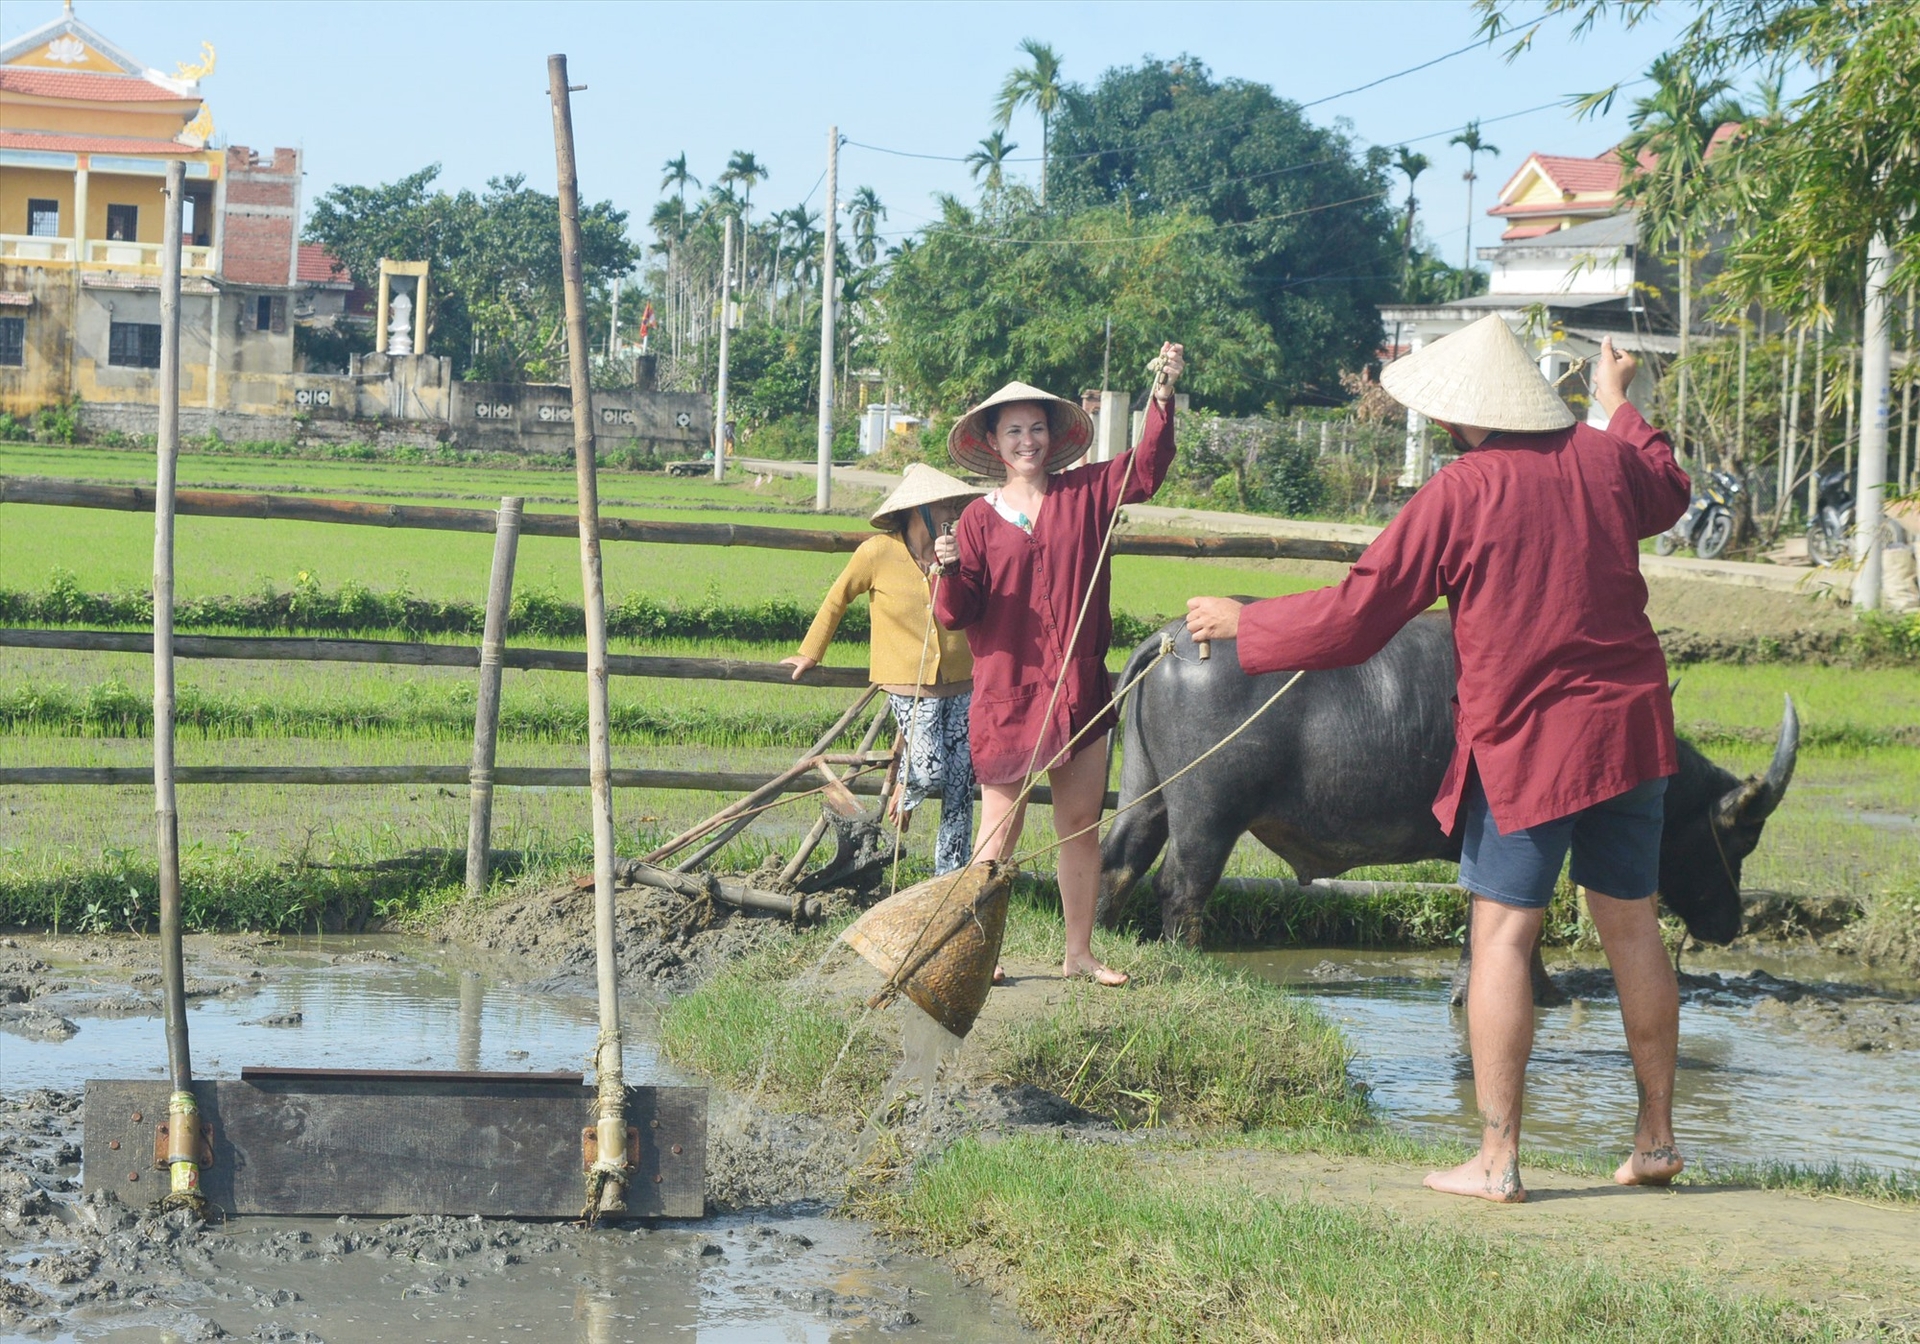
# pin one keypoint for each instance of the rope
(610, 1100)
(183, 1149)
(1244, 725)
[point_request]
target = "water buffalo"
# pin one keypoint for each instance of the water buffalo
(1343, 772)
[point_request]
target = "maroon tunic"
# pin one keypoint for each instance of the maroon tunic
(1017, 596)
(1562, 697)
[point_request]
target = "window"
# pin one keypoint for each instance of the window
(263, 313)
(123, 223)
(13, 341)
(43, 219)
(134, 345)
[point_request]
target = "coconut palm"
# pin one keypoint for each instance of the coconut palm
(1412, 165)
(988, 163)
(675, 177)
(1665, 174)
(864, 213)
(1469, 139)
(1037, 85)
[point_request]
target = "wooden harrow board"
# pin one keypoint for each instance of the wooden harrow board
(380, 1143)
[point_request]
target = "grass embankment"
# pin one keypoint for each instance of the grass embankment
(1151, 1239)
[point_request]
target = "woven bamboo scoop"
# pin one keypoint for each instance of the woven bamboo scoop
(938, 942)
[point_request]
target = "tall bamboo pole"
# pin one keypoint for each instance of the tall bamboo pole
(720, 412)
(183, 1113)
(1906, 401)
(829, 292)
(607, 1181)
(1793, 428)
(1819, 409)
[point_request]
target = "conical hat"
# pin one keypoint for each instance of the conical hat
(1069, 430)
(1477, 376)
(923, 485)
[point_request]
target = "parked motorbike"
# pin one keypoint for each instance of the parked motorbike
(1708, 523)
(1827, 532)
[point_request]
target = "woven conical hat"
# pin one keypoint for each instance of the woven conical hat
(1477, 376)
(923, 485)
(1070, 431)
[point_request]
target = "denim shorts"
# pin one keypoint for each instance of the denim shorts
(1615, 844)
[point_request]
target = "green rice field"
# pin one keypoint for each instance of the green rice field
(1848, 828)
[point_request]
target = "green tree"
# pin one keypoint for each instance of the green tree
(1469, 139)
(864, 213)
(977, 301)
(674, 177)
(1412, 164)
(496, 305)
(1665, 173)
(1304, 212)
(988, 163)
(1037, 85)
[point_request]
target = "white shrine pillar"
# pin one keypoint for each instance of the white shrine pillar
(1415, 465)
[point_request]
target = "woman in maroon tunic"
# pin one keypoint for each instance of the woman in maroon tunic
(1018, 568)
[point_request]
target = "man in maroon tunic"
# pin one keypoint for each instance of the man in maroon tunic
(1563, 721)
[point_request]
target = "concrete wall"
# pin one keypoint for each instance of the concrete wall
(538, 418)
(242, 427)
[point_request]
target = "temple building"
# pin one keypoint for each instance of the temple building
(86, 132)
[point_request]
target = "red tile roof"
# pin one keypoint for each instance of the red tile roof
(1602, 206)
(1527, 231)
(90, 144)
(1581, 175)
(85, 86)
(317, 266)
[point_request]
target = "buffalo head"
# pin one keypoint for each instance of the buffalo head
(1713, 821)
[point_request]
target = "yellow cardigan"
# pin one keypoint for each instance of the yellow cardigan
(885, 568)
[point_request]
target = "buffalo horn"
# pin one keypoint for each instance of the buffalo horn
(1755, 799)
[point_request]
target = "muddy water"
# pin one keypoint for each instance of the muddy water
(1759, 1079)
(792, 1274)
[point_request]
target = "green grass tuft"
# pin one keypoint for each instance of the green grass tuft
(1099, 1242)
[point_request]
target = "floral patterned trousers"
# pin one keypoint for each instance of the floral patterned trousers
(936, 756)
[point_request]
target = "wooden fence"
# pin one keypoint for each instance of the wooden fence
(492, 655)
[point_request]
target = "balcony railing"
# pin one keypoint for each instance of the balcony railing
(22, 247)
(145, 256)
(102, 252)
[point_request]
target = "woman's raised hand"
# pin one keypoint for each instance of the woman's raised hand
(801, 664)
(1173, 362)
(946, 550)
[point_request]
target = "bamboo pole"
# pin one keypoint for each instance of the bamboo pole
(183, 1114)
(790, 873)
(299, 508)
(486, 710)
(452, 776)
(1814, 445)
(1906, 401)
(606, 1184)
(400, 653)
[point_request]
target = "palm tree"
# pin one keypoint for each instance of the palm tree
(865, 212)
(1664, 172)
(1412, 165)
(1037, 84)
(749, 172)
(1469, 138)
(989, 161)
(675, 177)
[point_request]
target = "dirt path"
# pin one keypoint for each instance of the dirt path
(1821, 1248)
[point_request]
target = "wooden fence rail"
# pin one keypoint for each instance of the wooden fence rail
(307, 509)
(508, 776)
(403, 654)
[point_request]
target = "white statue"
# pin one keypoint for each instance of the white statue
(400, 329)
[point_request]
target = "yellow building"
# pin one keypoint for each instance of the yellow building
(86, 132)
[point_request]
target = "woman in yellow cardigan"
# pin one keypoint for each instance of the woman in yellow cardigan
(926, 670)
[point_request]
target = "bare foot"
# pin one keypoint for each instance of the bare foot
(1479, 1179)
(999, 975)
(1098, 972)
(1657, 1165)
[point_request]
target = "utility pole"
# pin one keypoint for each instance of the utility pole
(823, 491)
(726, 327)
(613, 327)
(607, 1179)
(1875, 374)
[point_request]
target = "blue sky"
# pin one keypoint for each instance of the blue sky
(374, 91)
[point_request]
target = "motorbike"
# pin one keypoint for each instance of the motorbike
(1827, 531)
(1708, 523)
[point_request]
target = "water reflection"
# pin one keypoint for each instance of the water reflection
(1747, 1088)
